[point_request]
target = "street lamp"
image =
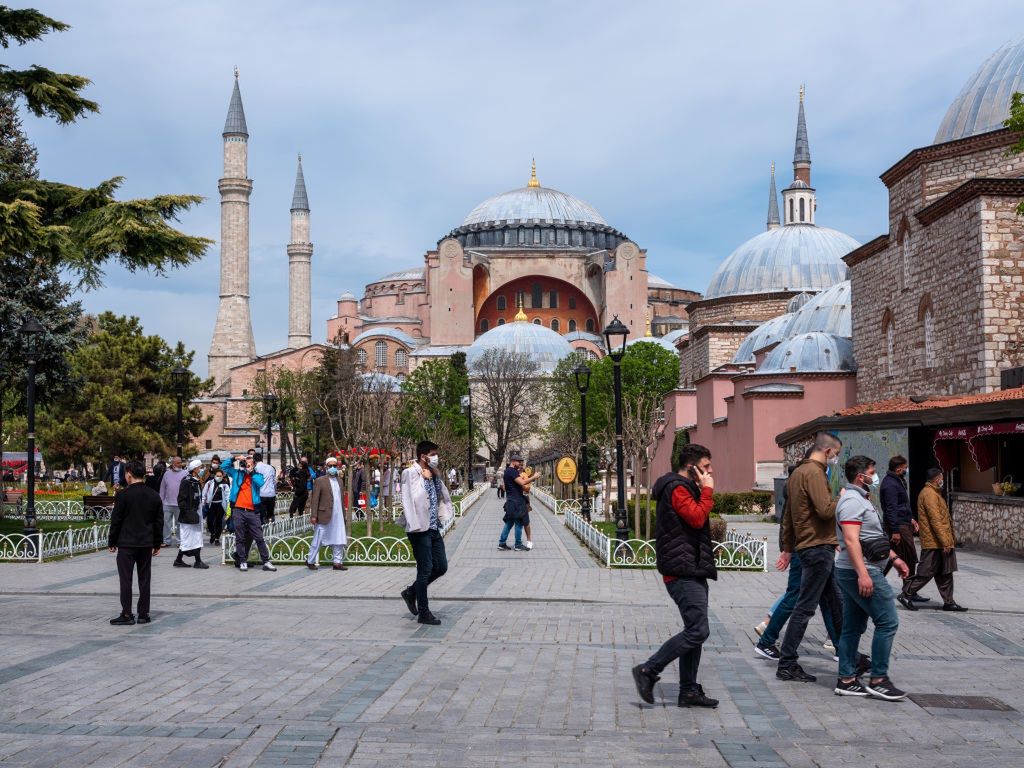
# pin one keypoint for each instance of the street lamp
(615, 336)
(269, 404)
(179, 382)
(582, 374)
(318, 421)
(467, 407)
(31, 332)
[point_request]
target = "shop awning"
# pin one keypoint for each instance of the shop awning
(984, 451)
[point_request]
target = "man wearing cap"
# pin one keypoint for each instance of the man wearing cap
(328, 517)
(515, 481)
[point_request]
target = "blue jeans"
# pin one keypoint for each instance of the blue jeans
(881, 607)
(784, 608)
(508, 527)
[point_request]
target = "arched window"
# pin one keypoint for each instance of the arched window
(591, 354)
(555, 326)
(553, 299)
(802, 205)
(572, 326)
(536, 296)
(536, 321)
(905, 259)
(501, 321)
(380, 354)
(890, 343)
(501, 304)
(401, 358)
(361, 357)
(791, 217)
(572, 302)
(929, 338)
(590, 325)
(484, 325)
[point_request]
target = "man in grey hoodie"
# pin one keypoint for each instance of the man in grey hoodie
(169, 486)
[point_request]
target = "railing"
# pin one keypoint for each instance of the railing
(47, 545)
(463, 504)
(564, 505)
(58, 510)
(545, 498)
(596, 541)
(742, 552)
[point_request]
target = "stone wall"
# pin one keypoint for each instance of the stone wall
(991, 523)
(756, 309)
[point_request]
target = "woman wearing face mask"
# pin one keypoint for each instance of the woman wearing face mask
(190, 524)
(328, 517)
(215, 498)
(938, 558)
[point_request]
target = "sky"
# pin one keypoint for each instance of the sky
(664, 116)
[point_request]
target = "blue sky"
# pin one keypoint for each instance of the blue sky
(664, 116)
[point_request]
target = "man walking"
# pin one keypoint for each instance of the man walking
(302, 478)
(245, 494)
(170, 483)
(864, 550)
(686, 560)
(327, 514)
(116, 474)
(268, 491)
(938, 556)
(516, 511)
(426, 505)
(135, 528)
(900, 525)
(809, 530)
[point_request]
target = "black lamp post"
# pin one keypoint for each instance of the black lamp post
(179, 381)
(582, 374)
(318, 421)
(31, 332)
(615, 336)
(269, 404)
(467, 406)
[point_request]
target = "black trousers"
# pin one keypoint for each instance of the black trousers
(691, 597)
(129, 559)
(431, 563)
(817, 585)
(298, 505)
(267, 507)
(215, 520)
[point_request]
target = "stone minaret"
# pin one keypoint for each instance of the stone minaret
(773, 203)
(798, 199)
(233, 342)
(300, 254)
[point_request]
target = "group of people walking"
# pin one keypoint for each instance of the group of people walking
(838, 551)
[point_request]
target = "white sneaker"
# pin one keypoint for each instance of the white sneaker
(827, 645)
(269, 566)
(529, 545)
(760, 628)
(243, 566)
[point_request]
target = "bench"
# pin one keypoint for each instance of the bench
(97, 506)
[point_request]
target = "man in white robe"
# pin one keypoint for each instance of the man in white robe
(328, 517)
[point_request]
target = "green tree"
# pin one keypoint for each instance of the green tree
(122, 400)
(1016, 122)
(432, 407)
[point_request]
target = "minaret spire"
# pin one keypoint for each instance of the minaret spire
(773, 203)
(233, 342)
(533, 174)
(300, 258)
(802, 150)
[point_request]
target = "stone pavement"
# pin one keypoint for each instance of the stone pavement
(530, 667)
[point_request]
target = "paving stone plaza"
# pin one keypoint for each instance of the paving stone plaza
(531, 666)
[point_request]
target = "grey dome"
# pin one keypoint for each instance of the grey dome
(538, 342)
(798, 301)
(797, 257)
(828, 312)
(380, 382)
(673, 336)
(533, 204)
(811, 353)
(984, 101)
(768, 332)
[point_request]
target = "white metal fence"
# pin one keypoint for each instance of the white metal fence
(44, 546)
(58, 510)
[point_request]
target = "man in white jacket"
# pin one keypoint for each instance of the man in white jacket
(426, 506)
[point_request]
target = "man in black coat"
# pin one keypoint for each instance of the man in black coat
(686, 560)
(898, 517)
(116, 473)
(136, 533)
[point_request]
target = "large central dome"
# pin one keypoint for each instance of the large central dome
(533, 204)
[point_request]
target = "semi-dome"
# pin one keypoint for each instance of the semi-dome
(796, 257)
(984, 102)
(768, 332)
(538, 342)
(539, 204)
(811, 353)
(828, 312)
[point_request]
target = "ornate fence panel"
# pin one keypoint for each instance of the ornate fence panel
(562, 505)
(741, 552)
(18, 547)
(593, 538)
(50, 544)
(57, 510)
(632, 553)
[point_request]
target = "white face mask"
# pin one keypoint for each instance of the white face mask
(434, 461)
(876, 481)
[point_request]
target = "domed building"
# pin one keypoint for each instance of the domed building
(537, 342)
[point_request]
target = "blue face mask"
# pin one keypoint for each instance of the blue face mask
(332, 471)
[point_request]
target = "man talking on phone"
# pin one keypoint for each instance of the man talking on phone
(686, 560)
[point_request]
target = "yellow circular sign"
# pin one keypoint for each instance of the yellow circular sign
(565, 470)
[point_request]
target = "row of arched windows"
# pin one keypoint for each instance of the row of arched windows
(380, 356)
(556, 324)
(926, 317)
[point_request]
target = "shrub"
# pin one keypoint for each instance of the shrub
(718, 526)
(745, 503)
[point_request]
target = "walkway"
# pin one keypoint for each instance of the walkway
(531, 667)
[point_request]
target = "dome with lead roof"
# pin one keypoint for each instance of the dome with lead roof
(811, 353)
(537, 342)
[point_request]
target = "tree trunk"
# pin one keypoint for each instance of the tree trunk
(636, 497)
(649, 485)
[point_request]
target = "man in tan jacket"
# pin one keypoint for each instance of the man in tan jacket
(938, 557)
(326, 510)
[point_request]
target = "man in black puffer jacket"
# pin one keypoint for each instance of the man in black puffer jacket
(686, 560)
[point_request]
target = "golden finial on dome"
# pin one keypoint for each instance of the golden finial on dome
(520, 315)
(533, 175)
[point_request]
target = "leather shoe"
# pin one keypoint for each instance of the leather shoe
(429, 618)
(920, 599)
(313, 566)
(143, 619)
(906, 602)
(953, 607)
(697, 699)
(337, 567)
(122, 620)
(644, 680)
(410, 601)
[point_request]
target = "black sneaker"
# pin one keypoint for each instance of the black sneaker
(884, 689)
(795, 673)
(953, 607)
(852, 688)
(428, 618)
(645, 680)
(180, 564)
(906, 602)
(521, 548)
(122, 621)
(200, 564)
(920, 599)
(410, 600)
(768, 651)
(143, 619)
(505, 547)
(697, 699)
(863, 665)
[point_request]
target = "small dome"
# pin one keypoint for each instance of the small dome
(828, 312)
(984, 102)
(380, 382)
(538, 342)
(347, 296)
(811, 353)
(798, 301)
(533, 204)
(799, 184)
(797, 257)
(766, 333)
